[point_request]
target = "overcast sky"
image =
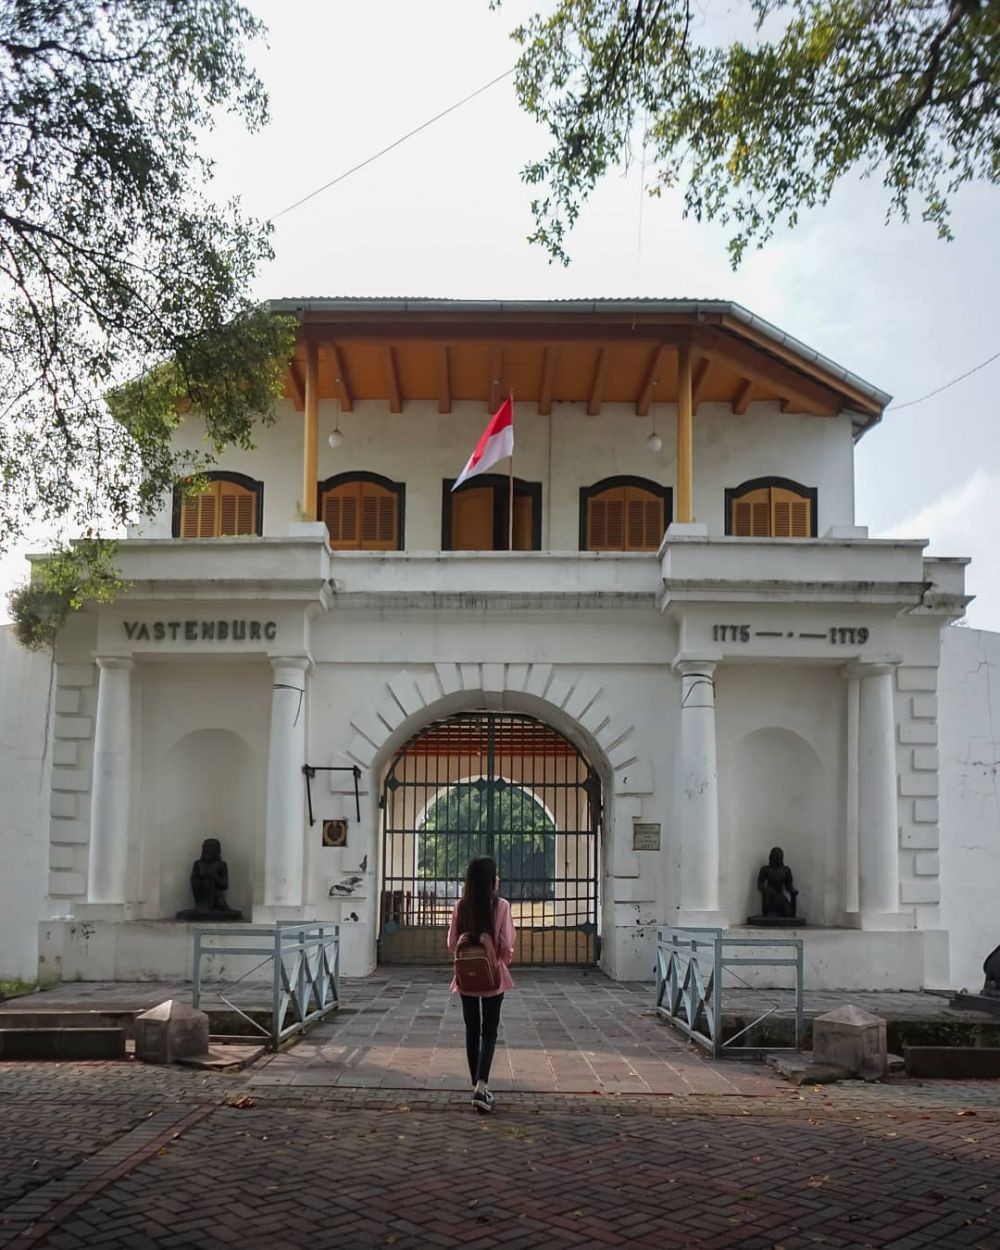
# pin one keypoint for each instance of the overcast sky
(446, 214)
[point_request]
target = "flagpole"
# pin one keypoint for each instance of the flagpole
(510, 492)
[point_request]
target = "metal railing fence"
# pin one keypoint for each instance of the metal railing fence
(305, 971)
(691, 967)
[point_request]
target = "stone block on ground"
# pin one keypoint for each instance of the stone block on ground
(802, 1070)
(171, 1032)
(853, 1041)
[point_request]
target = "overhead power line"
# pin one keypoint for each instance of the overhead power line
(395, 144)
(938, 389)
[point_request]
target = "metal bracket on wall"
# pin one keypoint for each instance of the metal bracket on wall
(310, 771)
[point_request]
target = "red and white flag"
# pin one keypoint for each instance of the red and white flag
(495, 442)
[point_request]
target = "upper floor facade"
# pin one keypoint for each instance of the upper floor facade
(630, 417)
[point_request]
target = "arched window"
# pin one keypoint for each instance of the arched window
(231, 505)
(362, 512)
(624, 514)
(771, 507)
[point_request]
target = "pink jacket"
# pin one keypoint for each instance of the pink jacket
(503, 935)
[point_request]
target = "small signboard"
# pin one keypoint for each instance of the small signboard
(645, 837)
(334, 832)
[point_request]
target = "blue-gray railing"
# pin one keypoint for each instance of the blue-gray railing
(305, 970)
(691, 967)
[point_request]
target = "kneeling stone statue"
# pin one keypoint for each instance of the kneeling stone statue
(209, 883)
(777, 893)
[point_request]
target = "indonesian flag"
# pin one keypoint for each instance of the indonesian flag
(495, 442)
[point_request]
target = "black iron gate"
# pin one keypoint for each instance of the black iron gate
(508, 786)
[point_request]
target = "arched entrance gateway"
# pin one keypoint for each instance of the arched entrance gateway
(499, 784)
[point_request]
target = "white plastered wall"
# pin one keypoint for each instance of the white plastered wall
(780, 731)
(969, 723)
(204, 769)
(606, 683)
(563, 451)
(25, 765)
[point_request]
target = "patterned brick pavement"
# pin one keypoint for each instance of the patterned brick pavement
(571, 1032)
(126, 1157)
(347, 1142)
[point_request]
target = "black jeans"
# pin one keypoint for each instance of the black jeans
(481, 1033)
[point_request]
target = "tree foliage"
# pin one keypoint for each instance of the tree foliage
(754, 131)
(116, 272)
(67, 579)
(490, 818)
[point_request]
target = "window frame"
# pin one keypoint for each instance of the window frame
(522, 488)
(220, 475)
(376, 479)
(666, 493)
(810, 493)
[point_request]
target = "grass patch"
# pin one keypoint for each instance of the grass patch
(14, 988)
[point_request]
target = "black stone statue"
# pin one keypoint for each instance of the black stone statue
(209, 883)
(777, 893)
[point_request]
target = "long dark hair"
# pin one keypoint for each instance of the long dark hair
(477, 906)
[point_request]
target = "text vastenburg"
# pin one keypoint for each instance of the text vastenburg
(201, 631)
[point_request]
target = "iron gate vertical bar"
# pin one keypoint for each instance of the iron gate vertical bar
(490, 784)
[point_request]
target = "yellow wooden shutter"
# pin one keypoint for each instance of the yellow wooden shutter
(791, 514)
(361, 516)
(224, 509)
(606, 520)
(752, 514)
(237, 508)
(378, 517)
(771, 512)
(190, 516)
(340, 513)
(644, 531)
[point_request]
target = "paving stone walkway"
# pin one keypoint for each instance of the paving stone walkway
(567, 1032)
(126, 1157)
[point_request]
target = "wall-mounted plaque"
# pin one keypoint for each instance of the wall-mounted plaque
(645, 837)
(334, 832)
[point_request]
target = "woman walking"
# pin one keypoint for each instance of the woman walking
(481, 911)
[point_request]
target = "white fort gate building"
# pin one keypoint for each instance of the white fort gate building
(332, 663)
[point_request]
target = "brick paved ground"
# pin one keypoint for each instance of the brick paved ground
(127, 1157)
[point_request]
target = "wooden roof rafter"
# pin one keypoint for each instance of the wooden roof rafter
(392, 380)
(790, 384)
(444, 378)
(296, 385)
(340, 378)
(496, 376)
(656, 366)
(741, 400)
(599, 381)
(549, 359)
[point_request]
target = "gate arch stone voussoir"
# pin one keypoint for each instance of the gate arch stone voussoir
(576, 706)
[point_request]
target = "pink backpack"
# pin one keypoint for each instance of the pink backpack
(477, 967)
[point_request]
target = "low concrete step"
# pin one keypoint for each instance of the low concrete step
(961, 1063)
(62, 1043)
